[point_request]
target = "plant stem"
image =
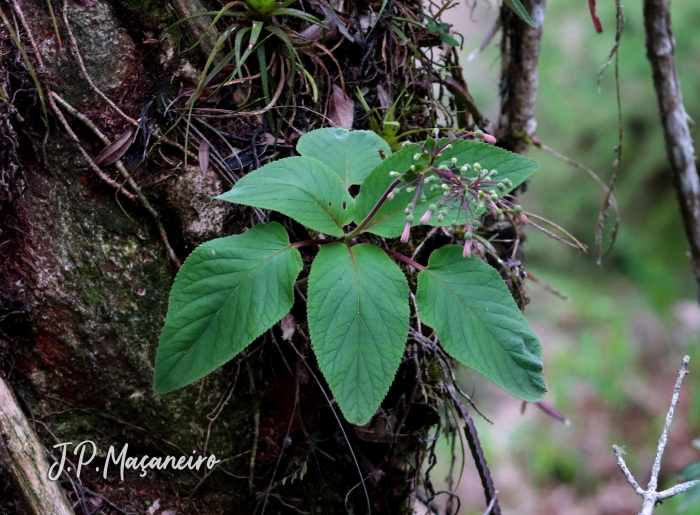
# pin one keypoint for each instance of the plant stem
(371, 214)
(404, 259)
(307, 243)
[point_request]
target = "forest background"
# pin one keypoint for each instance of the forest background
(611, 350)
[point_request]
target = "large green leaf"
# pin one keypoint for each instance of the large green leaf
(300, 187)
(358, 320)
(509, 165)
(227, 293)
(473, 313)
(390, 219)
(350, 154)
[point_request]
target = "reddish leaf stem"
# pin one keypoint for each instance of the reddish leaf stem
(404, 259)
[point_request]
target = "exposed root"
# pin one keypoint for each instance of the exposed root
(120, 167)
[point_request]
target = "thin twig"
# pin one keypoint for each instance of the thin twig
(87, 158)
(650, 495)
(81, 64)
(603, 214)
(575, 244)
(120, 167)
(478, 455)
(591, 173)
(489, 510)
(626, 471)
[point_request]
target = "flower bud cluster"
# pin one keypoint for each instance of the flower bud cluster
(467, 189)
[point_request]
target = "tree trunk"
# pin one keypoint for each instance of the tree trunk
(85, 276)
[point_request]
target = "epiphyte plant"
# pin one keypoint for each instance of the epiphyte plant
(231, 290)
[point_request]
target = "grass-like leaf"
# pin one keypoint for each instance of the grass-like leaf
(350, 154)
(300, 187)
(518, 8)
(227, 293)
(479, 324)
(358, 320)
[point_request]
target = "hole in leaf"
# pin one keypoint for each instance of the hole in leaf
(345, 205)
(330, 204)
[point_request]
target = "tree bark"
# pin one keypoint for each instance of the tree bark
(85, 277)
(520, 51)
(679, 144)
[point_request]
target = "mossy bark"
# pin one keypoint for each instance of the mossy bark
(84, 283)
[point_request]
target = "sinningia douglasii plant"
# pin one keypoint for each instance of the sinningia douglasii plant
(230, 290)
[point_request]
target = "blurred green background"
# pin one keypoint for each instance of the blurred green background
(612, 350)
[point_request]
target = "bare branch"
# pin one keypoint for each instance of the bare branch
(650, 495)
(678, 489)
(679, 144)
(626, 471)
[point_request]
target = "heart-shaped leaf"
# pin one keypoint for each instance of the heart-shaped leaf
(479, 324)
(227, 293)
(302, 188)
(350, 154)
(358, 320)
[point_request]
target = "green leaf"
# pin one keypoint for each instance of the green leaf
(520, 10)
(690, 472)
(358, 320)
(300, 187)
(473, 313)
(390, 219)
(509, 165)
(446, 38)
(350, 154)
(227, 293)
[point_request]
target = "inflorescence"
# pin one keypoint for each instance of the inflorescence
(469, 195)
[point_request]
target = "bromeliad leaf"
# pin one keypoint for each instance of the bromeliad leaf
(350, 154)
(300, 187)
(227, 293)
(473, 313)
(518, 8)
(358, 320)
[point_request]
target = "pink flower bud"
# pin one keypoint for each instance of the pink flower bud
(494, 207)
(489, 139)
(467, 252)
(406, 232)
(426, 217)
(520, 218)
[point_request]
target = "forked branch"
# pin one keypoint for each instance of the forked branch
(650, 495)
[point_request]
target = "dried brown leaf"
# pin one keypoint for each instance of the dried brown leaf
(288, 326)
(384, 97)
(115, 150)
(204, 157)
(342, 111)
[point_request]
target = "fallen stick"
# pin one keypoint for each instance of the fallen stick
(25, 461)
